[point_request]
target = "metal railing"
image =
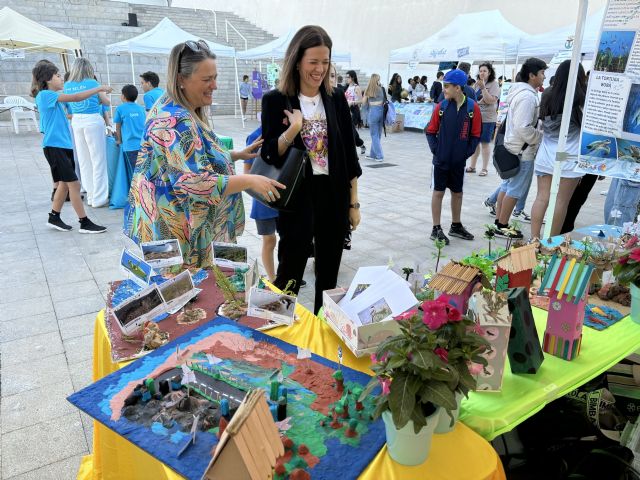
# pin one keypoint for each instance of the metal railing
(228, 24)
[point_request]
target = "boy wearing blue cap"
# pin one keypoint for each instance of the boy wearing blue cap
(453, 134)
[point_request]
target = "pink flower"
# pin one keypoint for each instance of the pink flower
(474, 368)
(374, 359)
(453, 314)
(406, 315)
(442, 353)
(635, 254)
(623, 260)
(435, 314)
(385, 383)
(632, 242)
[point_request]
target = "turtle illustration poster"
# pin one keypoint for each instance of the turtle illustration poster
(610, 140)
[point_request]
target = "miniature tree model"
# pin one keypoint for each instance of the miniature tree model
(439, 244)
(232, 307)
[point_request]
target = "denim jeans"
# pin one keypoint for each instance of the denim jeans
(493, 198)
(622, 201)
(375, 127)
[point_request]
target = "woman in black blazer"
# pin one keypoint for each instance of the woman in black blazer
(327, 204)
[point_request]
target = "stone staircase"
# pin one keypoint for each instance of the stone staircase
(97, 23)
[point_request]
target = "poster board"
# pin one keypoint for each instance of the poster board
(610, 137)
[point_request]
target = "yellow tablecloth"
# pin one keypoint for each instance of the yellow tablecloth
(461, 454)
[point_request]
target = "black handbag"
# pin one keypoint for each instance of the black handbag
(507, 164)
(291, 174)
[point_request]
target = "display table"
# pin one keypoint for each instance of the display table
(494, 413)
(115, 458)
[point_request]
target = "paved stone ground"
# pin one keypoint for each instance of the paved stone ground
(53, 283)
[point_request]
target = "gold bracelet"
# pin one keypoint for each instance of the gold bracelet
(285, 140)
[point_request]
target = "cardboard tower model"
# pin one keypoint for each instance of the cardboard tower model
(455, 283)
(517, 265)
(566, 283)
(250, 445)
(525, 354)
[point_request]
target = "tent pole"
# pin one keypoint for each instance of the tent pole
(237, 96)
(133, 72)
(561, 153)
(109, 81)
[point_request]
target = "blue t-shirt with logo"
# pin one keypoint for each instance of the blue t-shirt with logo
(91, 104)
(131, 118)
(53, 120)
(151, 96)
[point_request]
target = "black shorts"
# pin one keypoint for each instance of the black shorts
(63, 168)
(451, 178)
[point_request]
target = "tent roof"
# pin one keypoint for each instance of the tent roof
(277, 48)
(161, 39)
(470, 36)
(555, 41)
(18, 31)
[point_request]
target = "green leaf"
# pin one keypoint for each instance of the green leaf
(396, 361)
(502, 283)
(402, 398)
(373, 383)
(423, 359)
(439, 394)
(380, 407)
(466, 379)
(419, 420)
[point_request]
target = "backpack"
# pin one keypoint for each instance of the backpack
(445, 103)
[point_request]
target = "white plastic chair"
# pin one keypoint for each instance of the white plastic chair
(21, 110)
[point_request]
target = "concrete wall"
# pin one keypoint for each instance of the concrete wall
(369, 30)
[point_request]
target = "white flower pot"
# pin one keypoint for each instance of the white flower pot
(404, 445)
(635, 303)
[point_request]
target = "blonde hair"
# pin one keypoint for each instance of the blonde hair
(80, 70)
(307, 37)
(372, 87)
(183, 61)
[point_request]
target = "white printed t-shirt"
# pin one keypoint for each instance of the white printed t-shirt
(314, 133)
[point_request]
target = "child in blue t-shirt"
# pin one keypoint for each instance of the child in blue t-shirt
(149, 82)
(57, 144)
(129, 120)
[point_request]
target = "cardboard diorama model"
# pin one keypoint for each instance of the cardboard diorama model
(455, 283)
(525, 354)
(517, 265)
(184, 398)
(566, 284)
(250, 445)
(490, 311)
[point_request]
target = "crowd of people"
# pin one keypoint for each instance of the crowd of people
(184, 184)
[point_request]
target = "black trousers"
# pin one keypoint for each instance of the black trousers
(578, 198)
(321, 219)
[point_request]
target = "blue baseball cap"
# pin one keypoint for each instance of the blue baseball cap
(455, 77)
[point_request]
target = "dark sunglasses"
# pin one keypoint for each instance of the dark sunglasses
(195, 47)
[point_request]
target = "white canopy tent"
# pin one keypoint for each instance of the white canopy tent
(276, 49)
(160, 40)
(561, 39)
(20, 32)
(483, 35)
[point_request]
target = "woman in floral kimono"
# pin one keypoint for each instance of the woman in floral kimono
(184, 185)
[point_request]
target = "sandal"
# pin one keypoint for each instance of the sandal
(470, 170)
(483, 172)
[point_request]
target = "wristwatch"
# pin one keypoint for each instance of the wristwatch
(355, 205)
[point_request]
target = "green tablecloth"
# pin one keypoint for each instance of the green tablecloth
(227, 142)
(492, 413)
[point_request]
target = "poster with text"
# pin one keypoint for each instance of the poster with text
(610, 140)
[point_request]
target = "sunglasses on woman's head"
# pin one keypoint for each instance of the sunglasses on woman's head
(195, 47)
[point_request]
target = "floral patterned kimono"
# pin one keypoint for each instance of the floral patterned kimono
(178, 186)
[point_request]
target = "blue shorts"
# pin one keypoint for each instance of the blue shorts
(451, 178)
(517, 186)
(487, 132)
(266, 226)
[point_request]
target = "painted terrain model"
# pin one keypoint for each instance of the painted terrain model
(195, 384)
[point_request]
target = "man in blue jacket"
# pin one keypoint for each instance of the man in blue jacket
(453, 134)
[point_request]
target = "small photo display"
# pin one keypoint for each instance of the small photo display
(272, 306)
(135, 311)
(376, 312)
(251, 279)
(361, 287)
(162, 253)
(136, 268)
(177, 291)
(229, 254)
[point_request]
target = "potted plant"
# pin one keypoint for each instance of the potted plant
(419, 371)
(627, 272)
